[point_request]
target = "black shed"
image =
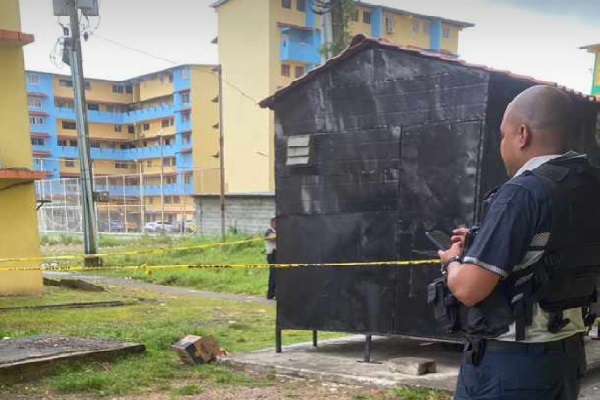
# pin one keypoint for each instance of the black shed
(372, 149)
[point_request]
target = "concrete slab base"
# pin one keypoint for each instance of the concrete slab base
(31, 357)
(340, 361)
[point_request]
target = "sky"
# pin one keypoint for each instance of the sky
(539, 38)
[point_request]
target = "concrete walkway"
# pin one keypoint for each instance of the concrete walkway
(340, 360)
(174, 290)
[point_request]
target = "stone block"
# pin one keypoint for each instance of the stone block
(411, 365)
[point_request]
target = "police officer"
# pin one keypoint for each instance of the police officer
(544, 363)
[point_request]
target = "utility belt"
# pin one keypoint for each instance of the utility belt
(475, 348)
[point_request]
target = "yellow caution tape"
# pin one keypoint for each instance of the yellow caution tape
(128, 253)
(216, 266)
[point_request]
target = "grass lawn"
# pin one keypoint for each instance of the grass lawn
(157, 320)
(232, 280)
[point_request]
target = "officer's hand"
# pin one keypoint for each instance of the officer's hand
(454, 251)
(459, 234)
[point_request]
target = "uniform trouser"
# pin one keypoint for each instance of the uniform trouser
(520, 371)
(271, 260)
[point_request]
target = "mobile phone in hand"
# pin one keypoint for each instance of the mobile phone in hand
(439, 239)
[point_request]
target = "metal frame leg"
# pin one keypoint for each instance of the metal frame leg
(368, 340)
(314, 337)
(277, 340)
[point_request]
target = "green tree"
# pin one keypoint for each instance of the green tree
(340, 13)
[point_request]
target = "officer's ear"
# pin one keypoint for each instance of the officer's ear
(524, 136)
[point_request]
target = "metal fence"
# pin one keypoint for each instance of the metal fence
(129, 207)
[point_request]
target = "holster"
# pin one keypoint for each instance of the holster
(444, 304)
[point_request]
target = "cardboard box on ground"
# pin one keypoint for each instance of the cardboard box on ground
(194, 350)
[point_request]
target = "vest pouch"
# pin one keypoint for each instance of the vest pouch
(568, 287)
(568, 291)
(444, 304)
(490, 318)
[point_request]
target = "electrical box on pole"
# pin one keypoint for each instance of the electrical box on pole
(88, 7)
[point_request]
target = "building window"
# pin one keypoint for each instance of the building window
(61, 142)
(185, 73)
(37, 142)
(298, 71)
(95, 144)
(185, 117)
(87, 85)
(415, 27)
(301, 5)
(34, 102)
(426, 27)
(118, 89)
(446, 33)
(187, 178)
(185, 97)
(165, 123)
(146, 127)
(128, 89)
(93, 107)
(73, 143)
(70, 125)
(65, 83)
(36, 120)
(354, 15)
(59, 103)
(149, 163)
(389, 23)
(285, 70)
(130, 129)
(286, 3)
(367, 17)
(170, 78)
(121, 165)
(69, 163)
(187, 139)
(33, 78)
(118, 128)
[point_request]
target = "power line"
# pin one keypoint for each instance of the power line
(175, 63)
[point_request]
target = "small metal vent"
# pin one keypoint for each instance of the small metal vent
(299, 151)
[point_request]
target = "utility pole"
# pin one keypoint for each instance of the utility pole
(74, 58)
(221, 154)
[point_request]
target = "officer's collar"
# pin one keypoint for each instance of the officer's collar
(535, 162)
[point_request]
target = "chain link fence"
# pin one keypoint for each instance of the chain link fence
(129, 207)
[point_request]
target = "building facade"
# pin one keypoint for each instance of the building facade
(265, 44)
(595, 49)
(153, 142)
(19, 235)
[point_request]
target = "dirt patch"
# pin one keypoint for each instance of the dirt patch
(284, 388)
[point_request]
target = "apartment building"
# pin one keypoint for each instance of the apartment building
(595, 49)
(153, 140)
(265, 44)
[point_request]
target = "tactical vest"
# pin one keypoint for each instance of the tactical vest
(564, 278)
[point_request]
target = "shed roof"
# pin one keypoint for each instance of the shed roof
(362, 42)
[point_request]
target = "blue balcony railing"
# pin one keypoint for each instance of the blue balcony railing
(120, 154)
(168, 190)
(292, 50)
(130, 117)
